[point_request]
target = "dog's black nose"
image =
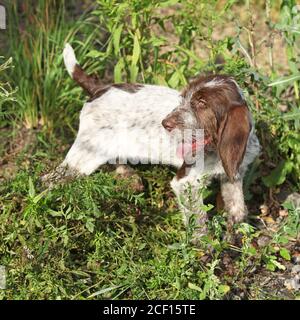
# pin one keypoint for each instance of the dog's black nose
(169, 124)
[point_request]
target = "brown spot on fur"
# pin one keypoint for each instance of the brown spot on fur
(211, 103)
(200, 82)
(95, 88)
(233, 136)
(127, 87)
(182, 171)
(91, 84)
(219, 202)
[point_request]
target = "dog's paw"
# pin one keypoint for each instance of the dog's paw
(237, 216)
(134, 180)
(47, 181)
(59, 175)
(198, 233)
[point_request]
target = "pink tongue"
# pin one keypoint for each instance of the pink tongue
(186, 148)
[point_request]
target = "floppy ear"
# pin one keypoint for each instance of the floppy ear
(232, 139)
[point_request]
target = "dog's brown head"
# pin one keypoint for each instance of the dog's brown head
(214, 103)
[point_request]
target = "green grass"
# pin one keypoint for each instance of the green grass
(39, 78)
(95, 237)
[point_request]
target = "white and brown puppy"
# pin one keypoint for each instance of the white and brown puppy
(150, 116)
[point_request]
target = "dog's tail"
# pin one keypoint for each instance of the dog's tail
(89, 83)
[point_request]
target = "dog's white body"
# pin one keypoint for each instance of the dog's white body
(123, 123)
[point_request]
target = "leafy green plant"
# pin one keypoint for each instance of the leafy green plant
(212, 288)
(284, 131)
(137, 42)
(288, 124)
(289, 25)
(6, 91)
(289, 230)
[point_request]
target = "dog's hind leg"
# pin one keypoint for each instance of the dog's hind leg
(60, 174)
(82, 159)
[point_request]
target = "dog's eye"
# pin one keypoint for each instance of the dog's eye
(198, 104)
(202, 104)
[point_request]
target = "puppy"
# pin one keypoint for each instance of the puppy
(139, 123)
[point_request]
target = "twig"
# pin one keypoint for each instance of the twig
(270, 37)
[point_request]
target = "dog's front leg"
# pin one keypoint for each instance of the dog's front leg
(188, 190)
(232, 193)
